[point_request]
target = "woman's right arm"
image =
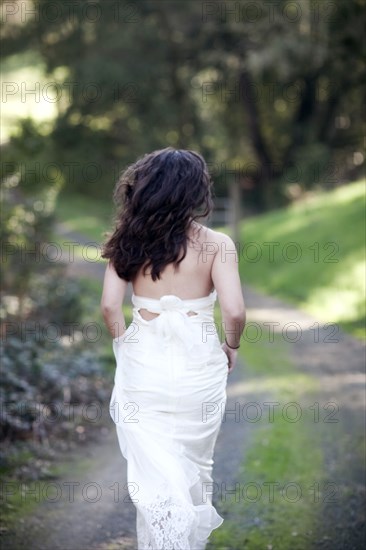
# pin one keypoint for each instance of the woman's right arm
(111, 302)
(226, 279)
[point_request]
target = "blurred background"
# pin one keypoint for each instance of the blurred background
(271, 94)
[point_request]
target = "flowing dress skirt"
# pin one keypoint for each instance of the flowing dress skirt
(167, 403)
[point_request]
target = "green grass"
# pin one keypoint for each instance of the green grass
(328, 277)
(22, 498)
(281, 453)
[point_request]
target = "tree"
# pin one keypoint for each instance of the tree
(272, 91)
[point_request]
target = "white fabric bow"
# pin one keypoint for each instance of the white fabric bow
(173, 320)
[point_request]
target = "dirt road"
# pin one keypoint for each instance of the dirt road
(334, 358)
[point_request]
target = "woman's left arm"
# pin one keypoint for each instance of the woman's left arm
(114, 289)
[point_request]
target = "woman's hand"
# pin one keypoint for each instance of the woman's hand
(232, 355)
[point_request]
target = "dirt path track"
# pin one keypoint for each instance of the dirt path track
(108, 525)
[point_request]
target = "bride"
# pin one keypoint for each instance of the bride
(170, 381)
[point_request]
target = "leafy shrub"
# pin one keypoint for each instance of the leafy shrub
(49, 385)
(41, 382)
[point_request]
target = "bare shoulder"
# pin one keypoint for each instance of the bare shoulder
(215, 243)
(219, 239)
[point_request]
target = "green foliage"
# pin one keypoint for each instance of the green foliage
(97, 215)
(40, 378)
(53, 291)
(51, 369)
(274, 95)
(25, 224)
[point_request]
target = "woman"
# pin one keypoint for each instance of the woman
(170, 382)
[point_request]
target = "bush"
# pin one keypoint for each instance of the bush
(48, 380)
(41, 382)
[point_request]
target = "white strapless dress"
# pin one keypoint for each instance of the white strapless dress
(167, 403)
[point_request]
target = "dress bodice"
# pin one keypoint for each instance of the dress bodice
(172, 319)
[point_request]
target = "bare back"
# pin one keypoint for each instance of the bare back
(211, 262)
(192, 279)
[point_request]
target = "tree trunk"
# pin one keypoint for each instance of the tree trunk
(264, 181)
(235, 210)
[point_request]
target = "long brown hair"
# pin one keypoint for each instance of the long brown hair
(157, 199)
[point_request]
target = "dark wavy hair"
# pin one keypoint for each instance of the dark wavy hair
(157, 199)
